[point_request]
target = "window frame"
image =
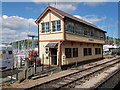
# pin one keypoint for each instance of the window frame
(69, 27)
(88, 52)
(46, 27)
(75, 52)
(79, 29)
(86, 30)
(56, 25)
(92, 33)
(68, 53)
(97, 51)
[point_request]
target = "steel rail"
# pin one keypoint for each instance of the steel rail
(106, 79)
(77, 72)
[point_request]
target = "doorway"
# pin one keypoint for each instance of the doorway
(53, 56)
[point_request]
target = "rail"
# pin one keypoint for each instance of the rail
(106, 79)
(77, 78)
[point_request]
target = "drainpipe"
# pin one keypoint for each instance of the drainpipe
(59, 52)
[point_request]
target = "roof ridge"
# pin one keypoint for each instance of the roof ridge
(73, 16)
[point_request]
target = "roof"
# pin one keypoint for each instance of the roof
(51, 44)
(64, 14)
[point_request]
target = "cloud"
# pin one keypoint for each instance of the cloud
(64, 6)
(91, 18)
(9, 35)
(103, 27)
(93, 4)
(15, 28)
(28, 8)
(16, 22)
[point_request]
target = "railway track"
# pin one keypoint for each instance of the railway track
(79, 77)
(101, 84)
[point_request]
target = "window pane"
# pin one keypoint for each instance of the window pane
(43, 27)
(69, 26)
(92, 33)
(89, 51)
(58, 25)
(68, 52)
(75, 52)
(47, 27)
(85, 51)
(97, 34)
(53, 26)
(96, 51)
(79, 29)
(102, 36)
(87, 31)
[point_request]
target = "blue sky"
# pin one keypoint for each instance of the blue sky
(18, 14)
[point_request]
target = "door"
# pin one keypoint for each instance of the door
(54, 56)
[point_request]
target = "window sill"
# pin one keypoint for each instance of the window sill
(51, 32)
(68, 57)
(75, 57)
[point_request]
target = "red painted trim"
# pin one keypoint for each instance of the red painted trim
(46, 33)
(82, 41)
(42, 15)
(50, 21)
(51, 40)
(47, 9)
(38, 41)
(63, 29)
(56, 12)
(59, 52)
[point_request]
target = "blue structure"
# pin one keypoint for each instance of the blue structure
(33, 36)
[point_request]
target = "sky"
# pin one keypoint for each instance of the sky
(18, 18)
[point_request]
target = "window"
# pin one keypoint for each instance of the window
(68, 52)
(45, 27)
(92, 33)
(59, 25)
(69, 26)
(102, 36)
(97, 51)
(79, 29)
(87, 51)
(87, 31)
(56, 26)
(53, 26)
(9, 52)
(75, 52)
(97, 34)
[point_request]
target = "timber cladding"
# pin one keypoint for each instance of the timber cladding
(81, 57)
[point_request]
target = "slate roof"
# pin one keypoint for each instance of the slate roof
(51, 44)
(71, 17)
(74, 18)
